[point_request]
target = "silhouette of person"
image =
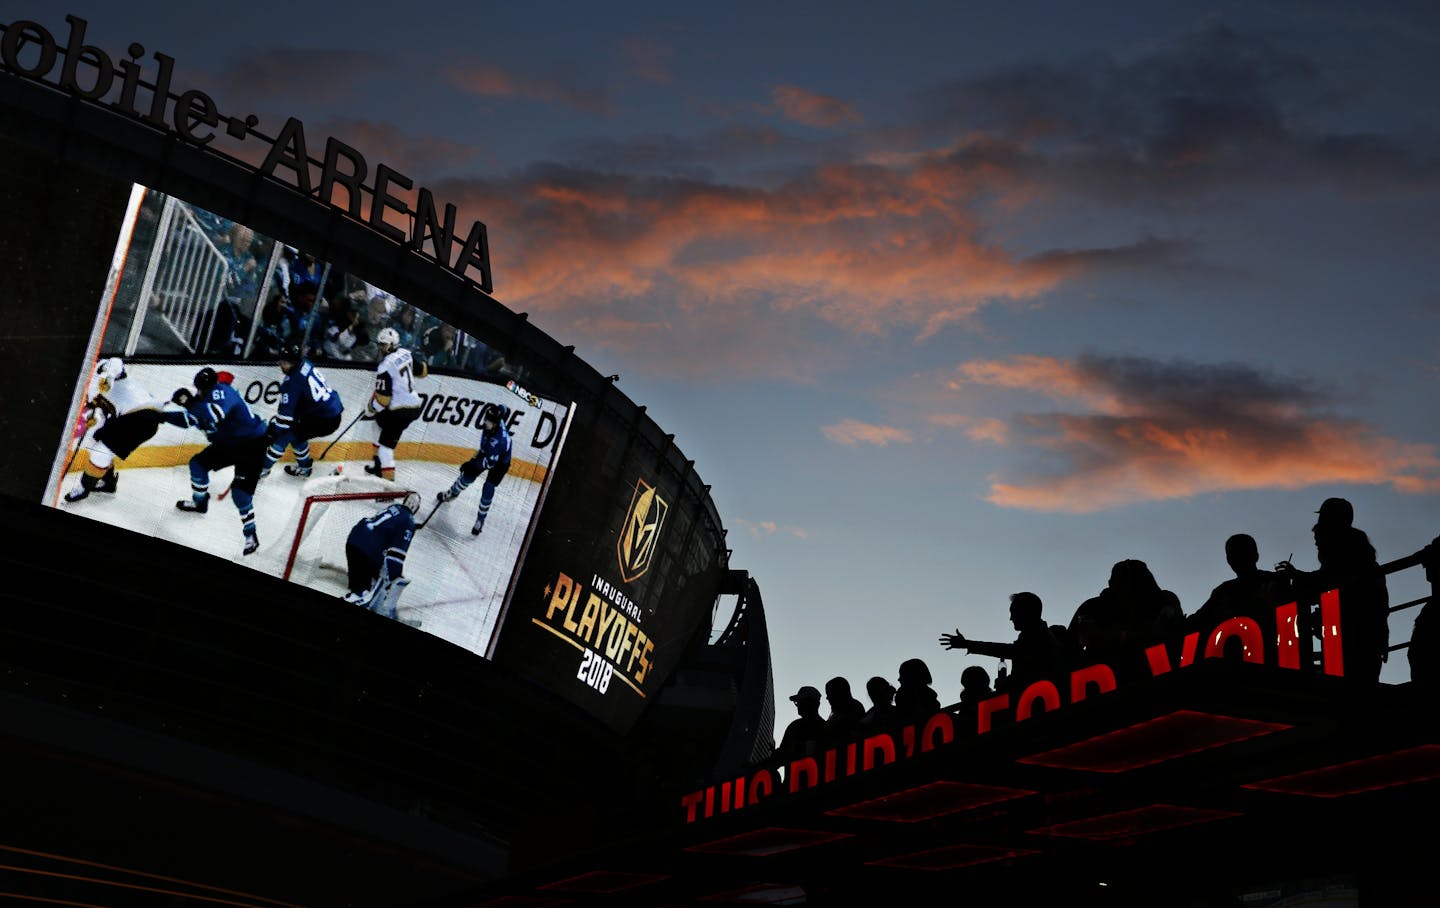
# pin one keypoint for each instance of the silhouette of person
(1348, 563)
(915, 699)
(1424, 650)
(881, 714)
(845, 711)
(1034, 654)
(804, 735)
(1132, 610)
(975, 685)
(1252, 593)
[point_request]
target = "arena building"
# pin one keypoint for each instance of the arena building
(573, 705)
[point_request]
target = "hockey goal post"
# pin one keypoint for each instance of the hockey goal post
(331, 507)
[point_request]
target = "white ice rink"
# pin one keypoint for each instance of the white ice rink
(457, 581)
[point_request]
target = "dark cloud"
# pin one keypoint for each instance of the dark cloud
(699, 157)
(295, 76)
(1212, 107)
(1144, 255)
(415, 155)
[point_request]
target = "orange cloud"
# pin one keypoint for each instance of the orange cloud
(493, 81)
(994, 431)
(868, 249)
(851, 432)
(812, 109)
(1147, 431)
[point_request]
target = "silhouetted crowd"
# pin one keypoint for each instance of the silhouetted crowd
(1133, 612)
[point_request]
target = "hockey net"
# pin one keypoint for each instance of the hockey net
(332, 505)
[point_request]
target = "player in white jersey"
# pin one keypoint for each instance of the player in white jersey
(124, 416)
(395, 403)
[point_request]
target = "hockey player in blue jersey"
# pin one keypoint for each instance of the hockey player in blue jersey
(237, 438)
(309, 408)
(375, 556)
(492, 458)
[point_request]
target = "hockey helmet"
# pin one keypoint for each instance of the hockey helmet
(412, 502)
(388, 338)
(498, 413)
(114, 367)
(206, 379)
(290, 353)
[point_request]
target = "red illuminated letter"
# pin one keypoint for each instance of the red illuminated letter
(804, 766)
(762, 785)
(1098, 674)
(941, 724)
(987, 709)
(1248, 631)
(1331, 637)
(1045, 691)
(882, 744)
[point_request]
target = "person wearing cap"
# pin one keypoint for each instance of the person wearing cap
(1348, 563)
(804, 735)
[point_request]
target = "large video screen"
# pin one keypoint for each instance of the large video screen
(191, 325)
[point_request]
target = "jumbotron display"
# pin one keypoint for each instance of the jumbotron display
(262, 361)
(285, 458)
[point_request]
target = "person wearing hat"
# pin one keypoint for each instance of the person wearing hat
(1348, 563)
(803, 736)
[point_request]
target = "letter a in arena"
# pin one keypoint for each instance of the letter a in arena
(289, 149)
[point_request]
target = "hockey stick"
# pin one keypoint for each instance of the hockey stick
(359, 416)
(421, 524)
(73, 454)
(225, 491)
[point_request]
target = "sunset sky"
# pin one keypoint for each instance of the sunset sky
(945, 300)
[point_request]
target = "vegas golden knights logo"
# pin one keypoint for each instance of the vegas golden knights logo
(641, 530)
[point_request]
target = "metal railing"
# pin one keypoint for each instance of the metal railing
(185, 279)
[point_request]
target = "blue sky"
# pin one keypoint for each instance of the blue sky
(946, 301)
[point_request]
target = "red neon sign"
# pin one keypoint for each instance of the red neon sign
(873, 752)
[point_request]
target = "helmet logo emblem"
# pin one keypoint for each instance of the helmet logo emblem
(641, 530)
